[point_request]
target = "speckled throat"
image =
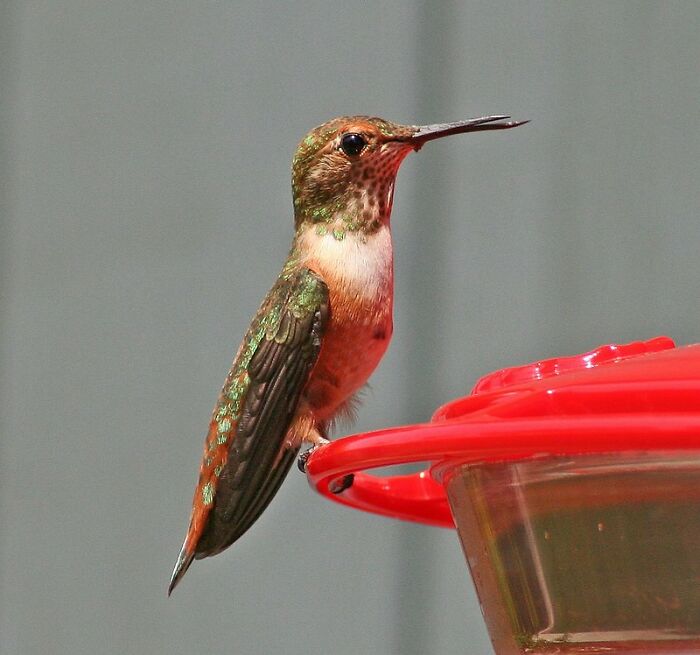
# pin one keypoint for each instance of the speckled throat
(341, 195)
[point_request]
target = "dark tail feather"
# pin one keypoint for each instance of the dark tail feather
(270, 487)
(235, 513)
(184, 559)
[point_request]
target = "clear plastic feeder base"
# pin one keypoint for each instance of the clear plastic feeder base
(584, 554)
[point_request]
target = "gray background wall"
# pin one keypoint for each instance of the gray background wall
(144, 191)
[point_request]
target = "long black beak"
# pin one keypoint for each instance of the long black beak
(425, 133)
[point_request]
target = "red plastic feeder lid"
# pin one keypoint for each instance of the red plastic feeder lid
(641, 396)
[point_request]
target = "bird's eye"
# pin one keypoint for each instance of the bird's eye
(352, 144)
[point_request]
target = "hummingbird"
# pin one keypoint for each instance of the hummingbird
(320, 331)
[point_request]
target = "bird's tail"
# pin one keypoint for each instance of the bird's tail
(184, 559)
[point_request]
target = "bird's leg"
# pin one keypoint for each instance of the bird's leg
(316, 436)
(318, 439)
(338, 486)
(305, 429)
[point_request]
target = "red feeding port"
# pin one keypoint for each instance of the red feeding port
(574, 485)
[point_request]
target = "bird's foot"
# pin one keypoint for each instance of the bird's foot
(304, 457)
(338, 486)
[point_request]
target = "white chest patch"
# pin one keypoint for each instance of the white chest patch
(361, 265)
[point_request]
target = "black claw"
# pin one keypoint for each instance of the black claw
(302, 459)
(338, 486)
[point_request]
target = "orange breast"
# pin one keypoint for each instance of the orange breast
(358, 333)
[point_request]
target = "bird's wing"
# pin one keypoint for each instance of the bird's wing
(245, 459)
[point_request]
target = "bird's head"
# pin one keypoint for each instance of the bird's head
(344, 170)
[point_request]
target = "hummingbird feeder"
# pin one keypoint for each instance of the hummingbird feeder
(574, 486)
